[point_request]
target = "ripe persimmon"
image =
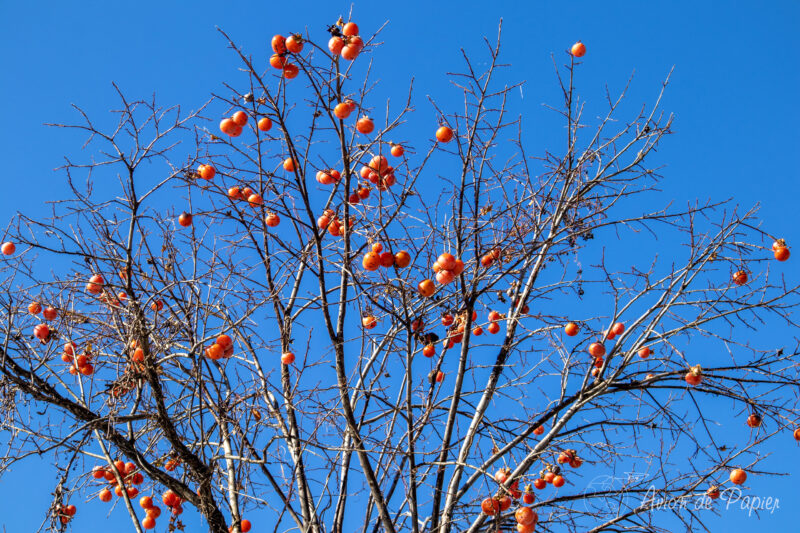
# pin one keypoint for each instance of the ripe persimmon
(618, 328)
(578, 49)
(287, 358)
(228, 127)
(444, 134)
(596, 349)
(740, 277)
(255, 200)
(289, 164)
(350, 28)
(402, 259)
(397, 150)
(35, 308)
(207, 172)
(240, 118)
(369, 322)
(279, 44)
(290, 71)
(371, 261)
(754, 420)
(185, 219)
(8, 248)
(148, 522)
(264, 124)
(335, 45)
(294, 43)
(426, 288)
(490, 506)
(105, 495)
(644, 352)
(525, 515)
(95, 285)
(272, 220)
(365, 125)
(49, 313)
(782, 253)
(342, 110)
(278, 61)
(571, 329)
(738, 476)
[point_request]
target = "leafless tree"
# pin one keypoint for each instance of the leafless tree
(362, 431)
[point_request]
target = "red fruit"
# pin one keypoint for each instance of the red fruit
(429, 350)
(490, 506)
(290, 71)
(170, 498)
(597, 349)
(264, 124)
(294, 44)
(287, 358)
(245, 526)
(578, 49)
(35, 308)
(350, 52)
(571, 329)
(240, 118)
(782, 253)
(335, 45)
(277, 61)
(342, 110)
(644, 352)
(539, 483)
(228, 127)
(397, 150)
(148, 522)
(8, 248)
(740, 277)
(738, 476)
(693, 378)
(207, 172)
(365, 125)
(49, 313)
(444, 134)
(558, 481)
(369, 322)
(493, 328)
(439, 377)
(105, 495)
(525, 515)
(754, 420)
(618, 328)
(272, 220)
(351, 28)
(279, 44)
(185, 219)
(95, 284)
(41, 331)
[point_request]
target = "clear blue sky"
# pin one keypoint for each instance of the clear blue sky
(734, 94)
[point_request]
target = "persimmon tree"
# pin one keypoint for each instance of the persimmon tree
(287, 305)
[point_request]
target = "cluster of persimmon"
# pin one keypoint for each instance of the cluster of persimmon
(283, 48)
(488, 259)
(447, 267)
(329, 221)
(222, 348)
(65, 512)
(127, 473)
(78, 363)
(345, 40)
(379, 172)
(525, 517)
(376, 258)
(246, 194)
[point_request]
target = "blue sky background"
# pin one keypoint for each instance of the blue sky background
(733, 93)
